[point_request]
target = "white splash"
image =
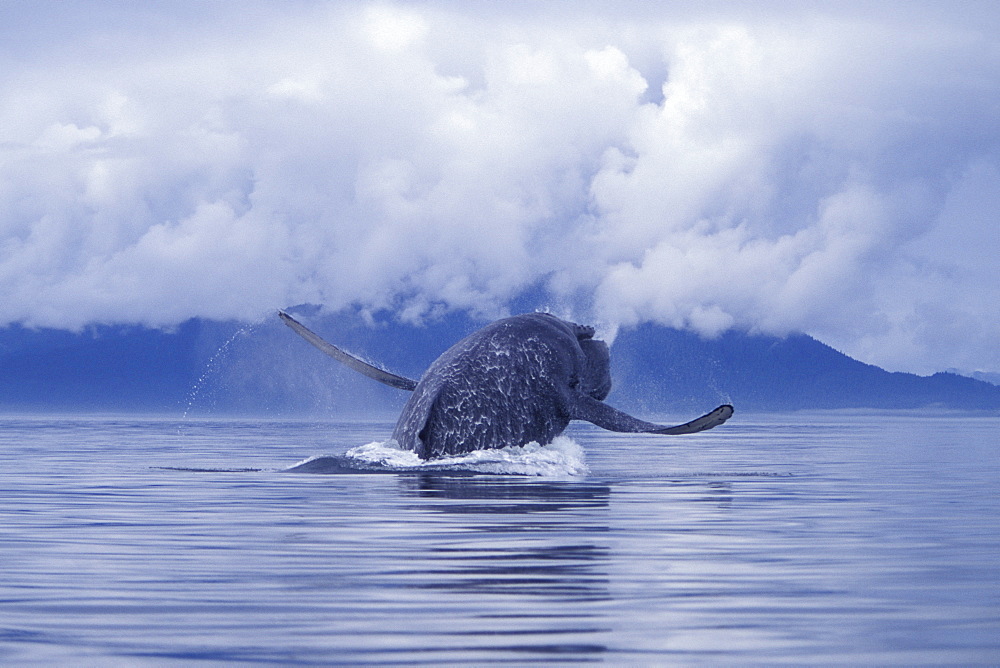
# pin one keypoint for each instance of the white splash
(384, 453)
(562, 457)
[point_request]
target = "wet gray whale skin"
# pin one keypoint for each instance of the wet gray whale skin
(513, 382)
(518, 380)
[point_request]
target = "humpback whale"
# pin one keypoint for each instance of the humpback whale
(518, 380)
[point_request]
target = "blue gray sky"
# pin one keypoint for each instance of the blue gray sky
(794, 167)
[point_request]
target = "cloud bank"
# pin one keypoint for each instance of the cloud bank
(837, 174)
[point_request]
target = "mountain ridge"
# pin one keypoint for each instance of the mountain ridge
(227, 367)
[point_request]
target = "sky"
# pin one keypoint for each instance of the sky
(793, 167)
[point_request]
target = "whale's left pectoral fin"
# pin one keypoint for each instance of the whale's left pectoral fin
(610, 418)
(359, 365)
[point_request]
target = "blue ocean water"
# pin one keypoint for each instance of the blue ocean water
(832, 538)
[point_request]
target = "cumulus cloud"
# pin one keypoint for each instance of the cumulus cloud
(837, 174)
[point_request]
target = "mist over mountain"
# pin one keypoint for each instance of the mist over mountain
(212, 368)
(832, 169)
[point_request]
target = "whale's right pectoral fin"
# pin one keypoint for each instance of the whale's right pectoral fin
(610, 418)
(336, 353)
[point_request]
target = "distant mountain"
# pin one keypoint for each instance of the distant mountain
(206, 367)
(101, 369)
(989, 377)
(768, 373)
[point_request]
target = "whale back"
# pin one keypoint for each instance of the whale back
(507, 384)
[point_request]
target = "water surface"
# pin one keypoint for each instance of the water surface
(805, 538)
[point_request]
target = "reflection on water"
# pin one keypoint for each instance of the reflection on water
(837, 539)
(514, 547)
(508, 495)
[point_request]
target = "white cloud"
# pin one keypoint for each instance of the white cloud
(779, 171)
(394, 29)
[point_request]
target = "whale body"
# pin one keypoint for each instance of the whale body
(518, 380)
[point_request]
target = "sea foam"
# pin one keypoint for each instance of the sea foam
(562, 457)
